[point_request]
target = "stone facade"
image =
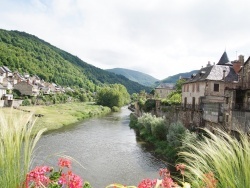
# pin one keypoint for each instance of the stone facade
(26, 88)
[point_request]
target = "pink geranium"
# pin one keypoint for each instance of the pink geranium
(64, 163)
(147, 183)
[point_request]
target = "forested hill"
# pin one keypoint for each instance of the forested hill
(136, 76)
(174, 78)
(28, 54)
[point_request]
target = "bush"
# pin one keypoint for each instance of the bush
(115, 109)
(26, 102)
(176, 132)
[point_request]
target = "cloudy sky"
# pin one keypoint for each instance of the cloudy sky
(157, 37)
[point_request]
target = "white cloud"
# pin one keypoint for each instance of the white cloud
(158, 37)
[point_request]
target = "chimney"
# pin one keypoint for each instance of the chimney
(241, 59)
(224, 74)
(208, 64)
(237, 64)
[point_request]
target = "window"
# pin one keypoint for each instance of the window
(197, 87)
(216, 87)
(185, 102)
(193, 86)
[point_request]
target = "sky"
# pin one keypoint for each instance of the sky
(157, 37)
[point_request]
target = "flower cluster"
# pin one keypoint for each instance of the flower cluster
(147, 183)
(44, 176)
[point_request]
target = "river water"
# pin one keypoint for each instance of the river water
(105, 147)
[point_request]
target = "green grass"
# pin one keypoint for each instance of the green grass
(59, 115)
(17, 142)
(223, 155)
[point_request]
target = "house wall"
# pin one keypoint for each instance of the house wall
(2, 92)
(190, 90)
(162, 92)
(24, 88)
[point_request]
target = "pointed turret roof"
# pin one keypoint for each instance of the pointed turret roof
(224, 59)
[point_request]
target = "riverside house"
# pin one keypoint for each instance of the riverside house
(163, 90)
(205, 91)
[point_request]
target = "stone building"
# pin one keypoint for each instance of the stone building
(205, 91)
(163, 90)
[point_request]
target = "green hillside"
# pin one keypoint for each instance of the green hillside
(174, 78)
(27, 53)
(141, 78)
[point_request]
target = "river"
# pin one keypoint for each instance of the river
(105, 147)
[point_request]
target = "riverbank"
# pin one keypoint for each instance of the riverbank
(56, 116)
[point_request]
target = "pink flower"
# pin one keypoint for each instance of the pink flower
(164, 172)
(38, 176)
(147, 183)
(180, 167)
(71, 180)
(167, 182)
(64, 163)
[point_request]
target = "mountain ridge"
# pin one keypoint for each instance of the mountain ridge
(27, 53)
(137, 76)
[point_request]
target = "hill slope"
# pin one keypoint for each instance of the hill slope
(27, 53)
(136, 76)
(174, 78)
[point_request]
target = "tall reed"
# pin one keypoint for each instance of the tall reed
(224, 159)
(17, 142)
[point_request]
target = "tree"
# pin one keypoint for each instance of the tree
(113, 95)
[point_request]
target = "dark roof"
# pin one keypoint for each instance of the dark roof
(165, 86)
(224, 59)
(215, 72)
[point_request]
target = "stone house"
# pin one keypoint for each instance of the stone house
(163, 90)
(27, 88)
(5, 71)
(204, 91)
(237, 104)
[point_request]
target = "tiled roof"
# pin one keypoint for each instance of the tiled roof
(165, 86)
(215, 72)
(224, 60)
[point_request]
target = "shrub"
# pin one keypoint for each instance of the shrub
(26, 102)
(176, 132)
(217, 158)
(115, 109)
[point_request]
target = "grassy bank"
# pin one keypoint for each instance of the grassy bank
(59, 115)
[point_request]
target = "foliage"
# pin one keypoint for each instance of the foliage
(166, 138)
(16, 93)
(134, 97)
(149, 105)
(26, 102)
(28, 54)
(113, 95)
(176, 132)
(17, 142)
(115, 109)
(217, 157)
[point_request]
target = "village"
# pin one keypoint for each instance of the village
(218, 95)
(27, 85)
